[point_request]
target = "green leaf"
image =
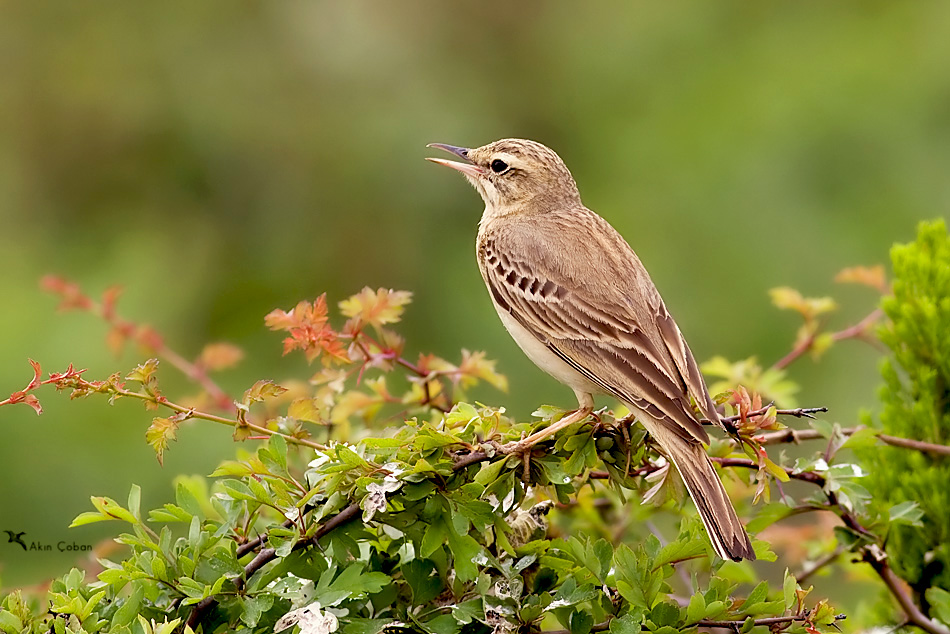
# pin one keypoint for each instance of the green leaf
(254, 608)
(364, 626)
(939, 600)
(467, 611)
(9, 623)
(862, 438)
(788, 587)
(465, 552)
(665, 613)
(434, 538)
(680, 550)
(489, 472)
(423, 580)
(629, 623)
(759, 593)
(908, 512)
(88, 517)
(131, 606)
(637, 581)
(479, 513)
(580, 622)
(354, 581)
(571, 594)
(135, 498)
(696, 609)
(768, 515)
(443, 624)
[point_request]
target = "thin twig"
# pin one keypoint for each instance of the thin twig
(769, 620)
(851, 332)
(73, 297)
(818, 565)
(798, 435)
(798, 412)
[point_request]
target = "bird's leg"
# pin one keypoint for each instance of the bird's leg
(625, 433)
(586, 403)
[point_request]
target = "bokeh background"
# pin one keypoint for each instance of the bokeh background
(221, 159)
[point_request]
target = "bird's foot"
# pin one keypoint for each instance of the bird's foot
(525, 444)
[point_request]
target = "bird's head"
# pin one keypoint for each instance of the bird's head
(514, 175)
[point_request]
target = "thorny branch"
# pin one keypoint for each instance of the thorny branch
(267, 555)
(72, 379)
(798, 435)
(733, 625)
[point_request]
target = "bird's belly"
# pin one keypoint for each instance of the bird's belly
(543, 357)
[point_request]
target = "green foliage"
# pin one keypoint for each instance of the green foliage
(395, 532)
(915, 402)
(371, 508)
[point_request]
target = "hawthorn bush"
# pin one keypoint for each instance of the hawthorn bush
(378, 498)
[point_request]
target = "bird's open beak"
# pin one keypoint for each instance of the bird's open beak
(466, 168)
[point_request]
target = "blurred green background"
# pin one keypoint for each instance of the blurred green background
(221, 159)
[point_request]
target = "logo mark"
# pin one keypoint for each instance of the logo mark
(16, 538)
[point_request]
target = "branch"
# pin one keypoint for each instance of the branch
(734, 625)
(73, 380)
(805, 573)
(798, 412)
(73, 297)
(856, 331)
(877, 558)
(770, 620)
(267, 555)
(811, 477)
(796, 436)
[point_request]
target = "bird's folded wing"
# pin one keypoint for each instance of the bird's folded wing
(618, 345)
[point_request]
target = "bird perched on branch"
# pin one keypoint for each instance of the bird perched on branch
(577, 300)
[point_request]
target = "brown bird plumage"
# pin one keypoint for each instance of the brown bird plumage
(577, 300)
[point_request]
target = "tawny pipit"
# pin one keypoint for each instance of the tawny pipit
(579, 303)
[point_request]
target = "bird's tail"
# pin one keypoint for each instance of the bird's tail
(728, 536)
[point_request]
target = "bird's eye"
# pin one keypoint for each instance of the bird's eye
(498, 166)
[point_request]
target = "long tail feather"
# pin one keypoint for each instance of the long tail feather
(728, 536)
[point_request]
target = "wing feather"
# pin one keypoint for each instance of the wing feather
(609, 325)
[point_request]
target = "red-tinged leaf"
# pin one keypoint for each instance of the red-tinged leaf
(376, 308)
(115, 340)
(109, 298)
(37, 375)
(309, 331)
(149, 339)
(53, 284)
(159, 433)
(220, 356)
(33, 402)
(872, 276)
(429, 363)
(69, 292)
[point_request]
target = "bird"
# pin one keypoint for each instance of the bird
(577, 300)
